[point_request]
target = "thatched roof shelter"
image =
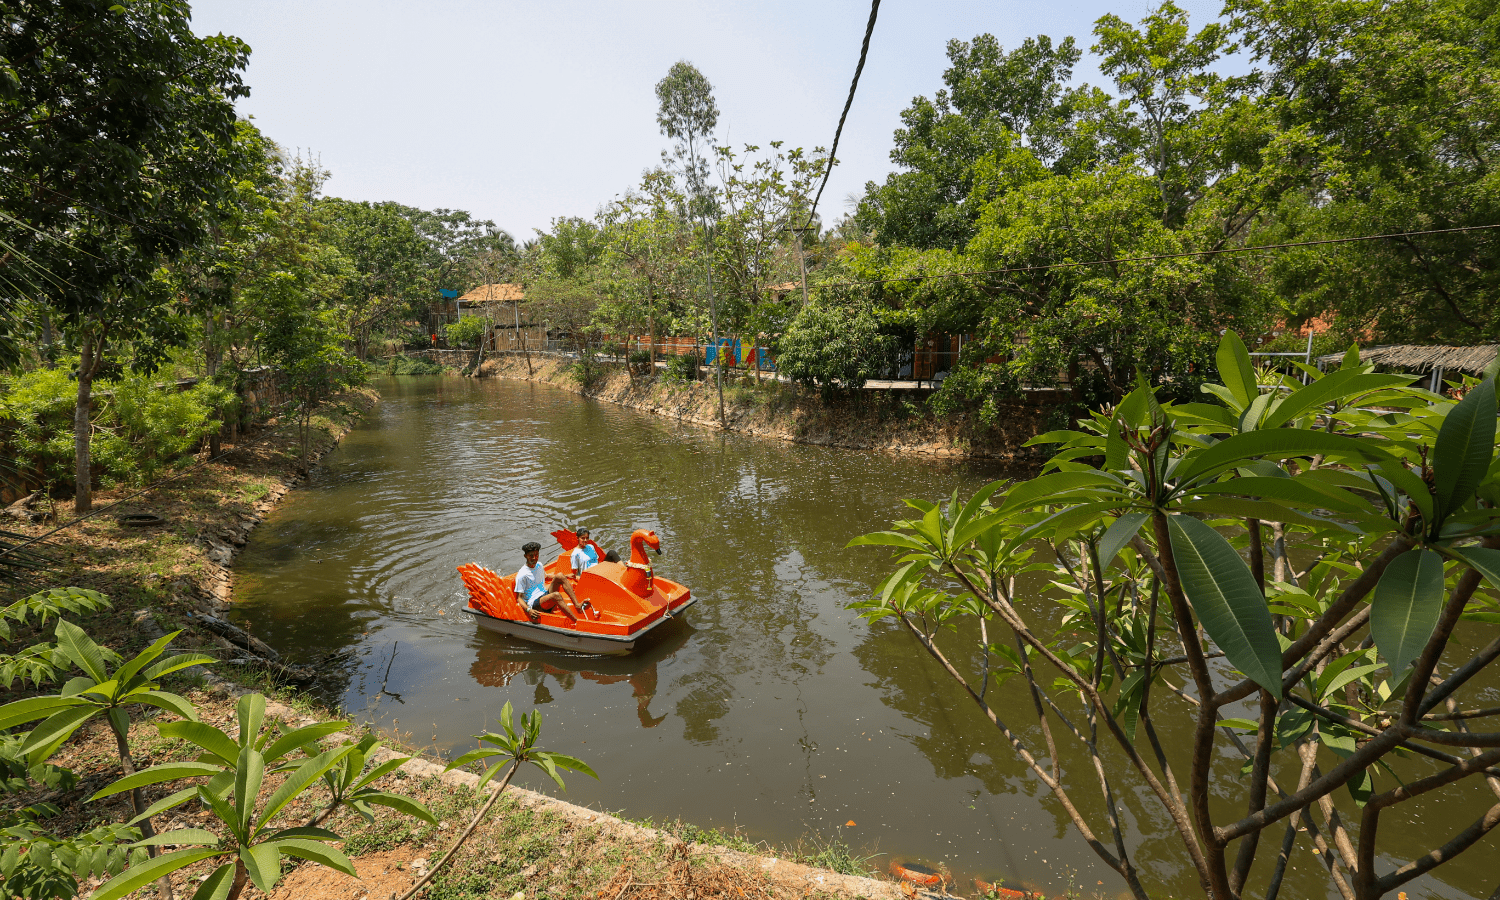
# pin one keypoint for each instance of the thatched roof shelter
(1416, 358)
(493, 293)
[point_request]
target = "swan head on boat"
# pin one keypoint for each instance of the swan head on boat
(640, 540)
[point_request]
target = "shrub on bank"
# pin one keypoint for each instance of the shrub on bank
(407, 365)
(466, 332)
(639, 362)
(835, 346)
(140, 426)
(587, 371)
(682, 368)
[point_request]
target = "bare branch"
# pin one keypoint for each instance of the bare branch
(1463, 714)
(1427, 862)
(1122, 867)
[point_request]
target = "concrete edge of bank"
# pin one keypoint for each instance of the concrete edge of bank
(801, 418)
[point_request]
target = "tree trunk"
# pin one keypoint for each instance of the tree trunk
(307, 443)
(478, 356)
(137, 799)
(802, 265)
(210, 369)
(241, 876)
(713, 317)
(47, 342)
(83, 496)
(473, 823)
(651, 328)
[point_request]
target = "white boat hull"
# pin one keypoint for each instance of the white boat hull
(567, 639)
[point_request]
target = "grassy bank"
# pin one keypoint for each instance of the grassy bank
(529, 844)
(163, 576)
(885, 421)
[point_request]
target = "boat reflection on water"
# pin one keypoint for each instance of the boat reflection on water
(500, 659)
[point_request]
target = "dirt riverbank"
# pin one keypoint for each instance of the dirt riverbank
(884, 421)
(176, 575)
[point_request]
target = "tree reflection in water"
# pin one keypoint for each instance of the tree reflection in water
(500, 659)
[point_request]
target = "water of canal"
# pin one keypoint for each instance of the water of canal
(773, 709)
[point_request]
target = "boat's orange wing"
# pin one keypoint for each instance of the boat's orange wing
(568, 539)
(490, 593)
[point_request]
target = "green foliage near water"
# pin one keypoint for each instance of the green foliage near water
(142, 426)
(587, 371)
(1108, 222)
(681, 369)
(1337, 660)
(187, 242)
(412, 365)
(835, 346)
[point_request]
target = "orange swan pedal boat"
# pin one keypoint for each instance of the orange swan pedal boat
(629, 600)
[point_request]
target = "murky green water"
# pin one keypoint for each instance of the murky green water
(774, 709)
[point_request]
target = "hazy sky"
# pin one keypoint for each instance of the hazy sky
(521, 112)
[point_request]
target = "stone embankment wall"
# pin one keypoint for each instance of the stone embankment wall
(453, 359)
(877, 421)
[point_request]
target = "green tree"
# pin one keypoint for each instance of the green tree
(835, 344)
(992, 102)
(648, 237)
(308, 347)
(765, 196)
(1163, 72)
(1139, 530)
(467, 332)
(458, 243)
(388, 260)
(1184, 165)
(1386, 105)
(116, 138)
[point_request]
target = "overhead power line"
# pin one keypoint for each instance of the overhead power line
(864, 51)
(1131, 259)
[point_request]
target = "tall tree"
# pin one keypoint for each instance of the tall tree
(647, 237)
(766, 196)
(992, 101)
(1163, 70)
(456, 240)
(687, 114)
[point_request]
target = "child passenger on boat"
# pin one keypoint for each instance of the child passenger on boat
(535, 593)
(586, 554)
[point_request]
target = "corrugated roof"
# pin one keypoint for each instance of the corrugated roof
(493, 293)
(1418, 358)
